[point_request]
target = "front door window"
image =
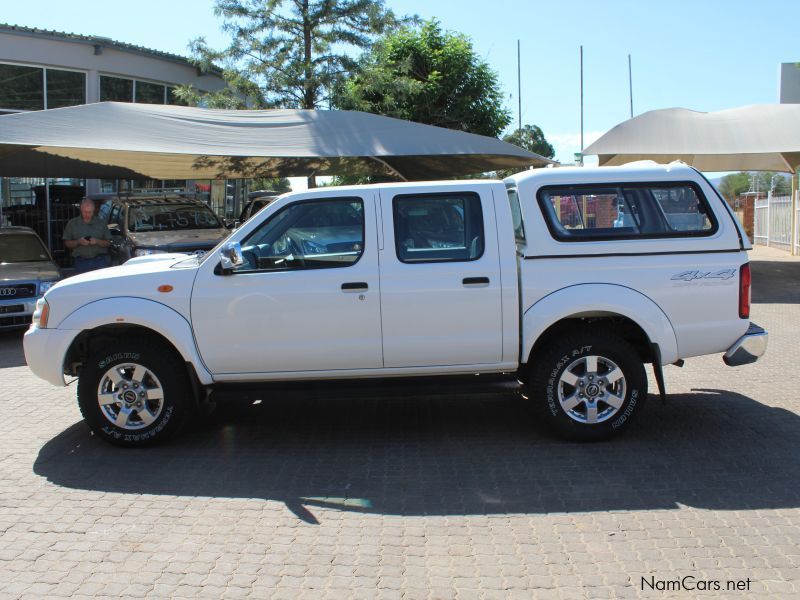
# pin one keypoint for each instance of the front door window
(307, 235)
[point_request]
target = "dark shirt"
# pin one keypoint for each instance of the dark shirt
(76, 229)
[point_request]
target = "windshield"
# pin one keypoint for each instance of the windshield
(23, 247)
(171, 217)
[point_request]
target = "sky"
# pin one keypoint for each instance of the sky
(704, 55)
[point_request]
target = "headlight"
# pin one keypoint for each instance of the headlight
(146, 251)
(44, 286)
(41, 314)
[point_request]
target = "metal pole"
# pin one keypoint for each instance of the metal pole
(519, 87)
(47, 212)
(769, 217)
(630, 82)
(581, 105)
(795, 216)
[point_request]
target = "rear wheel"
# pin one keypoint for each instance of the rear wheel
(134, 392)
(588, 386)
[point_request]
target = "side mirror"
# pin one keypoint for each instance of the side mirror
(114, 230)
(231, 256)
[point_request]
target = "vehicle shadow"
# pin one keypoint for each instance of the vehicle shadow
(444, 455)
(776, 282)
(11, 352)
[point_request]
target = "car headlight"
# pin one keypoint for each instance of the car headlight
(146, 251)
(41, 314)
(44, 286)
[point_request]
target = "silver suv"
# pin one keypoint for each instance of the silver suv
(26, 272)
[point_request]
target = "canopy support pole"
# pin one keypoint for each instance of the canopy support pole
(794, 216)
(48, 214)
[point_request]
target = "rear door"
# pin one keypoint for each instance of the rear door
(440, 277)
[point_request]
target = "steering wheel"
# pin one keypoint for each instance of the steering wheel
(297, 251)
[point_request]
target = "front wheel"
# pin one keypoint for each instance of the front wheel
(588, 386)
(133, 392)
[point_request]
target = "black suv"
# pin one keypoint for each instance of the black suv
(143, 225)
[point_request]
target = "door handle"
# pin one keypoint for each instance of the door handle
(475, 281)
(355, 286)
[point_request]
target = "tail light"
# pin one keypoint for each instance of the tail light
(744, 291)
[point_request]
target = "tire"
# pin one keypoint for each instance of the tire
(588, 386)
(134, 392)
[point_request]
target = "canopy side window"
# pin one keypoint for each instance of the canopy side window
(620, 211)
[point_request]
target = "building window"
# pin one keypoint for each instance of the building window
(116, 89)
(149, 93)
(65, 88)
(25, 88)
(21, 88)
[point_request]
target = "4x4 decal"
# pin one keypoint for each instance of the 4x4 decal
(693, 275)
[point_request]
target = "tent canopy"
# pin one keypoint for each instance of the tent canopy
(761, 137)
(122, 140)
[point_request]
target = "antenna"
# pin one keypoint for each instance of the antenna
(630, 82)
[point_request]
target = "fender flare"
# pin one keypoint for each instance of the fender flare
(146, 313)
(586, 299)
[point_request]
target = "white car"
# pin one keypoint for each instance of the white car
(535, 276)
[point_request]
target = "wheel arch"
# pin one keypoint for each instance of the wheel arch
(110, 318)
(634, 316)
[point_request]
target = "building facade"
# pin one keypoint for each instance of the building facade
(49, 69)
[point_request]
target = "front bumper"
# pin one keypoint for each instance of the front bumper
(45, 351)
(17, 318)
(748, 348)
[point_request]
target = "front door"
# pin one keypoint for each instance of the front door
(440, 278)
(306, 297)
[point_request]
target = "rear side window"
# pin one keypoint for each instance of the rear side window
(438, 227)
(617, 211)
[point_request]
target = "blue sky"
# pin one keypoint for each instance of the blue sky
(701, 54)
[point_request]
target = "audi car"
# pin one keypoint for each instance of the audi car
(27, 271)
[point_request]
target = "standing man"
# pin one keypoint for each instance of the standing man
(88, 238)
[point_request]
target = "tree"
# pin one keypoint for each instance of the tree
(734, 184)
(276, 184)
(423, 74)
(286, 53)
(531, 138)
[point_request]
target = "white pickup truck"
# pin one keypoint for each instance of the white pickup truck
(569, 279)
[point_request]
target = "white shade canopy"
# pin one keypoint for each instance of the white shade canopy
(121, 140)
(761, 137)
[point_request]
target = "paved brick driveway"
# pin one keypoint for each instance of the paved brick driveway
(382, 494)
